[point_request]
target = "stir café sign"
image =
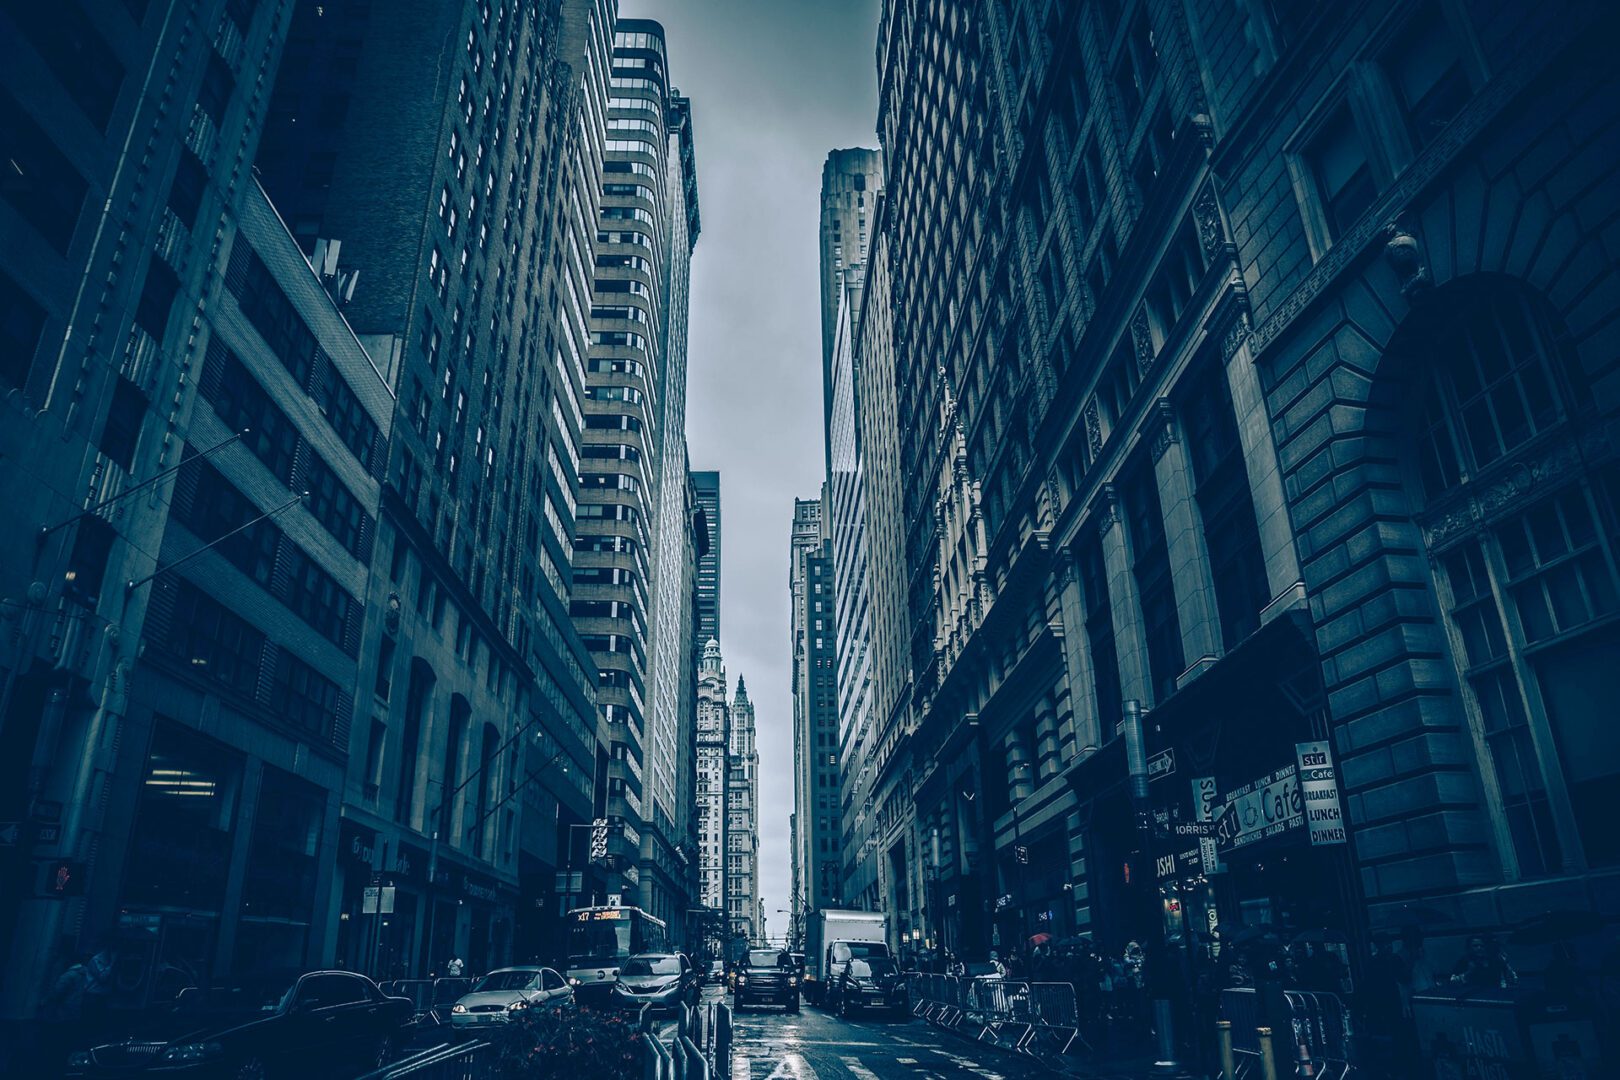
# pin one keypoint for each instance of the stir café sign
(1301, 795)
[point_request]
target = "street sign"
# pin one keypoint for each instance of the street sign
(387, 899)
(599, 838)
(368, 899)
(1021, 853)
(1161, 764)
(1192, 828)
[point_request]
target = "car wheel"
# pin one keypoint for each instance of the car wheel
(251, 1069)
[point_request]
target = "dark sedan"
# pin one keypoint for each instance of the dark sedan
(872, 983)
(325, 1023)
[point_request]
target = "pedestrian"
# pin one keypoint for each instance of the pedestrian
(1484, 966)
(453, 967)
(75, 1008)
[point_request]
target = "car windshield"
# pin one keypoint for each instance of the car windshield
(267, 996)
(764, 958)
(859, 950)
(651, 965)
(879, 965)
(497, 981)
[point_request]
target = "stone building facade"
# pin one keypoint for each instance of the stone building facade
(713, 756)
(129, 134)
(743, 914)
(1255, 408)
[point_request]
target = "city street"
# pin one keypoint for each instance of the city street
(812, 1044)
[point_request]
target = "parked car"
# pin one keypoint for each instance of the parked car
(505, 993)
(875, 982)
(767, 977)
(252, 1030)
(665, 981)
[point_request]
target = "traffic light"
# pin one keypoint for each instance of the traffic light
(63, 877)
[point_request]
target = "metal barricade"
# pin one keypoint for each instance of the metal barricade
(657, 1064)
(1317, 1023)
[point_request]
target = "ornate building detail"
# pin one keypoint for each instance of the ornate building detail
(1207, 212)
(1478, 505)
(1107, 507)
(1165, 427)
(1142, 338)
(1093, 429)
(1404, 253)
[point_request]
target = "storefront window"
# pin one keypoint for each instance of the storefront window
(278, 889)
(1530, 586)
(180, 855)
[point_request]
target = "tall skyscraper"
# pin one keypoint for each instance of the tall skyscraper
(633, 481)
(850, 182)
(742, 822)
(126, 136)
(713, 775)
(816, 780)
(436, 150)
(707, 486)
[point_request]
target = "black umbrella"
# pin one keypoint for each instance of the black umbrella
(1253, 935)
(1551, 927)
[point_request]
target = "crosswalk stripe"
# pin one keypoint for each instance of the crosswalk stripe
(741, 1068)
(906, 1061)
(861, 1071)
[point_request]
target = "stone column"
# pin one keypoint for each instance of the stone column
(1047, 759)
(247, 809)
(1260, 460)
(1130, 643)
(1080, 727)
(1020, 769)
(1184, 540)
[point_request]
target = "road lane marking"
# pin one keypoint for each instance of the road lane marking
(856, 1068)
(741, 1068)
(793, 1067)
(906, 1061)
(970, 1065)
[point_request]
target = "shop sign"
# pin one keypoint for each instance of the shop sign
(1203, 801)
(1161, 764)
(1260, 809)
(377, 898)
(1319, 787)
(361, 845)
(477, 890)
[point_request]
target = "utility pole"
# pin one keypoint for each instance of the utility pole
(1155, 976)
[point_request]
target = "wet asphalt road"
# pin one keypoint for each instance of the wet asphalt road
(769, 1044)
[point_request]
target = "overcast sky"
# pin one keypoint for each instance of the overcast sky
(775, 85)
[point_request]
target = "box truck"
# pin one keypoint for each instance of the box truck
(862, 932)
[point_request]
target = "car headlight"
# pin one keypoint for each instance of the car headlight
(742, 980)
(458, 1007)
(80, 1057)
(193, 1052)
(793, 980)
(516, 1005)
(574, 982)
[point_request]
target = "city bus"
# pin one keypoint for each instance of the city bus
(600, 940)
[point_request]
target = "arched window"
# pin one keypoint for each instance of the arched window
(1519, 515)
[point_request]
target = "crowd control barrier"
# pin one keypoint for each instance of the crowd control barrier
(1316, 1032)
(1038, 1019)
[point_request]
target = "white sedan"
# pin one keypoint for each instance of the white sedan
(505, 994)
